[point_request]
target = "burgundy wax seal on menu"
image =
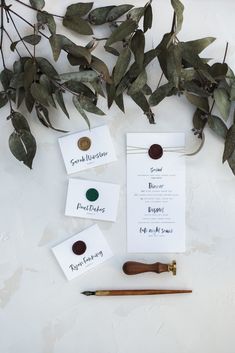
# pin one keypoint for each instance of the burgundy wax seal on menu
(155, 151)
(79, 247)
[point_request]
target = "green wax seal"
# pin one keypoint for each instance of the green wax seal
(92, 195)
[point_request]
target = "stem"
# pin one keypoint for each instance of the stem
(160, 80)
(8, 35)
(60, 85)
(2, 31)
(33, 8)
(17, 31)
(173, 23)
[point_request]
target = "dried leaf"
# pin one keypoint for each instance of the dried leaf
(148, 17)
(55, 42)
(192, 87)
(23, 147)
(112, 50)
(199, 120)
(222, 102)
(80, 110)
(117, 12)
(79, 9)
(120, 103)
(199, 102)
(121, 65)
(179, 9)
(3, 99)
(99, 66)
(78, 25)
(198, 45)
(136, 14)
(60, 100)
(229, 146)
(80, 76)
(218, 126)
(79, 88)
(160, 93)
(121, 32)
(138, 84)
(110, 89)
(137, 47)
(147, 90)
(37, 4)
(47, 19)
(47, 68)
(30, 70)
(98, 87)
(78, 52)
(231, 162)
(174, 64)
(140, 99)
(89, 106)
(19, 122)
(29, 100)
(99, 16)
(5, 78)
(39, 94)
(33, 39)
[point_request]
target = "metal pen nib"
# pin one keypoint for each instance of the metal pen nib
(88, 293)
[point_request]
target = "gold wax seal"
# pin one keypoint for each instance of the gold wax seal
(84, 143)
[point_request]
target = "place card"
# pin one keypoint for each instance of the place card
(155, 192)
(82, 252)
(92, 199)
(87, 149)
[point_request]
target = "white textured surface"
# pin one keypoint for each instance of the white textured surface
(41, 312)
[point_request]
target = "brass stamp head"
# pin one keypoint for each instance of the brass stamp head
(172, 268)
(84, 143)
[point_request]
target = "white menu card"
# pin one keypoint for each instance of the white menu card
(155, 193)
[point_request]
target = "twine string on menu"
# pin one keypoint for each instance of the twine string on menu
(155, 151)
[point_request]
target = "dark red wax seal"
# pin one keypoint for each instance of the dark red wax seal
(155, 151)
(79, 247)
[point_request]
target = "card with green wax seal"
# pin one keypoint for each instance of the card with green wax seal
(92, 199)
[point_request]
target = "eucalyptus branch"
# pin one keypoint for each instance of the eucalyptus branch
(33, 8)
(17, 31)
(2, 31)
(11, 40)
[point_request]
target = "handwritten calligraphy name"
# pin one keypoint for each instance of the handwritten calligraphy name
(90, 208)
(88, 158)
(86, 260)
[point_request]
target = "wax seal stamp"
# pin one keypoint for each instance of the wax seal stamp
(92, 195)
(133, 267)
(155, 151)
(79, 247)
(84, 143)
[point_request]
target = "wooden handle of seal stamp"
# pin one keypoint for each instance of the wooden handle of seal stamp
(134, 268)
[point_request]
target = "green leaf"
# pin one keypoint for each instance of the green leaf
(179, 9)
(30, 70)
(19, 122)
(218, 126)
(199, 102)
(160, 93)
(148, 18)
(80, 110)
(137, 47)
(117, 12)
(98, 16)
(33, 39)
(5, 78)
(138, 84)
(60, 100)
(222, 102)
(43, 117)
(23, 147)
(121, 32)
(89, 106)
(78, 51)
(47, 68)
(81, 76)
(3, 99)
(99, 66)
(78, 25)
(198, 45)
(136, 14)
(37, 4)
(79, 9)
(229, 146)
(121, 65)
(47, 19)
(39, 94)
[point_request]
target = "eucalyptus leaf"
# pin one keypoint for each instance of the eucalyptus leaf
(179, 9)
(37, 4)
(124, 30)
(199, 120)
(77, 24)
(80, 76)
(29, 100)
(100, 66)
(98, 87)
(99, 16)
(80, 110)
(218, 126)
(78, 52)
(39, 94)
(111, 92)
(121, 65)
(229, 146)
(20, 96)
(56, 45)
(135, 14)
(117, 12)
(47, 68)
(137, 47)
(199, 102)
(76, 87)
(112, 50)
(222, 102)
(148, 17)
(60, 100)
(30, 69)
(120, 103)
(89, 106)
(160, 93)
(191, 86)
(198, 45)
(138, 84)
(5, 78)
(23, 146)
(140, 99)
(19, 122)
(46, 18)
(174, 64)
(231, 162)
(147, 90)
(76, 61)
(79, 9)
